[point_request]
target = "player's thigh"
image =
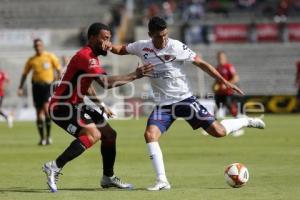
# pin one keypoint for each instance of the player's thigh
(91, 131)
(159, 122)
(194, 113)
(37, 96)
(108, 133)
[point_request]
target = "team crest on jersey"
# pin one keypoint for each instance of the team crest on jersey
(167, 57)
(93, 62)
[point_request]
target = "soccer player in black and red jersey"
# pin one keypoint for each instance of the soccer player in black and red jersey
(224, 96)
(68, 110)
(297, 83)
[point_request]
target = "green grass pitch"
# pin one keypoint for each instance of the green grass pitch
(194, 163)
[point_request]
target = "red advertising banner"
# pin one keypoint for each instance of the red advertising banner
(267, 32)
(294, 31)
(231, 33)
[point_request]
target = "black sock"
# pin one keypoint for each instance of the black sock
(48, 127)
(40, 126)
(75, 149)
(108, 158)
(4, 115)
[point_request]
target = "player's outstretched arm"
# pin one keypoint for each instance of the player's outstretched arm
(108, 82)
(118, 49)
(209, 69)
(114, 48)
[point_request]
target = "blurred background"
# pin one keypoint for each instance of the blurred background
(260, 37)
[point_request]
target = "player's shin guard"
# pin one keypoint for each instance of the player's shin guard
(76, 148)
(232, 125)
(108, 152)
(157, 160)
(40, 126)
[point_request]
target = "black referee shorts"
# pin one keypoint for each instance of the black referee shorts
(41, 94)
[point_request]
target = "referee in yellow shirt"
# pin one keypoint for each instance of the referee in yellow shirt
(46, 69)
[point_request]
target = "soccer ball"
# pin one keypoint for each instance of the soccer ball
(236, 175)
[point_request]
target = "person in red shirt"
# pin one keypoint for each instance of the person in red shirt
(68, 110)
(297, 83)
(3, 81)
(223, 95)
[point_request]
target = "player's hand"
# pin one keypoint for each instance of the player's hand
(107, 45)
(108, 112)
(144, 70)
(234, 87)
(20, 92)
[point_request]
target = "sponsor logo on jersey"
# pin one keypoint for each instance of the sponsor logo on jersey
(71, 128)
(167, 57)
(93, 63)
(148, 49)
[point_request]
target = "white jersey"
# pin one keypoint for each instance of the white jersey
(169, 82)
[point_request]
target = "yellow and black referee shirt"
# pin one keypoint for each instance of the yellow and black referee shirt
(43, 67)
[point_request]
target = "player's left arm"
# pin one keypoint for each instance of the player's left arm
(209, 69)
(234, 76)
(94, 98)
(56, 65)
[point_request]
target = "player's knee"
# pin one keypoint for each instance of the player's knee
(94, 135)
(216, 131)
(220, 132)
(151, 136)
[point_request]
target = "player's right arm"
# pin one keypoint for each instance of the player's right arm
(119, 49)
(209, 69)
(132, 48)
(108, 82)
(26, 70)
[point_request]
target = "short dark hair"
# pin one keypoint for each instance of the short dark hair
(156, 24)
(36, 40)
(95, 29)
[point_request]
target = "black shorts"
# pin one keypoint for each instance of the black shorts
(223, 100)
(298, 94)
(41, 94)
(72, 118)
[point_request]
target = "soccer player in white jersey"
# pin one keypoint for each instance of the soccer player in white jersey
(173, 95)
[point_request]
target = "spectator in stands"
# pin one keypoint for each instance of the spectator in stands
(297, 84)
(282, 11)
(3, 82)
(193, 11)
(246, 4)
(167, 12)
(218, 6)
(46, 69)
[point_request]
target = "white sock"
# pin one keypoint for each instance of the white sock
(157, 160)
(232, 125)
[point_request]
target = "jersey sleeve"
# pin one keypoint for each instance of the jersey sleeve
(90, 66)
(183, 52)
(134, 48)
(27, 67)
(232, 70)
(55, 62)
